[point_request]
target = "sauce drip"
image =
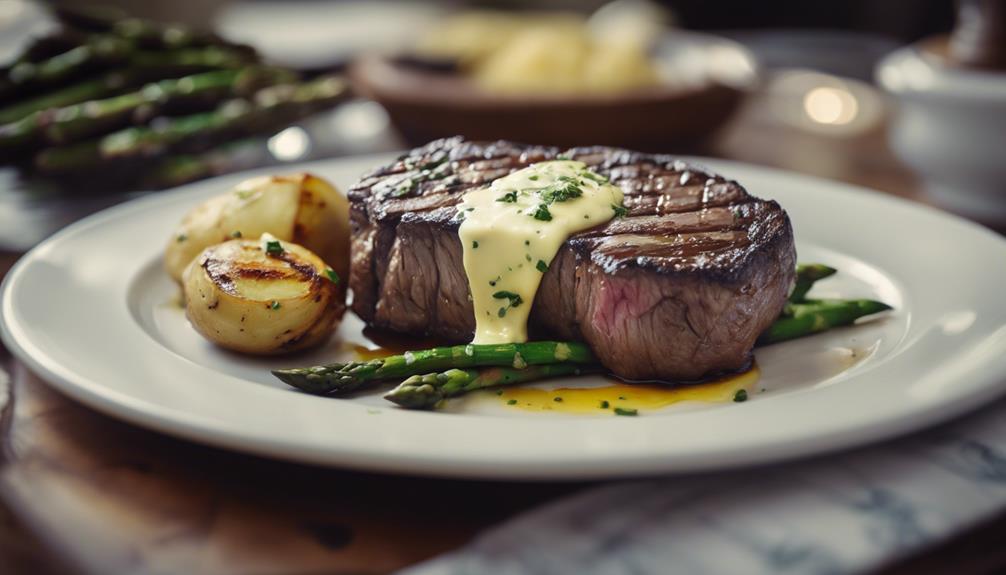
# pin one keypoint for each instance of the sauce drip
(511, 231)
(623, 396)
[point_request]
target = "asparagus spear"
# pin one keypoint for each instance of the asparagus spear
(45, 47)
(806, 275)
(425, 391)
(347, 377)
(147, 33)
(180, 169)
(105, 85)
(814, 316)
(140, 68)
(31, 77)
(271, 107)
(77, 121)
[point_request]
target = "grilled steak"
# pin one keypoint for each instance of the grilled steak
(677, 290)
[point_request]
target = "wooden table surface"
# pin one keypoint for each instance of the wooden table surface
(81, 492)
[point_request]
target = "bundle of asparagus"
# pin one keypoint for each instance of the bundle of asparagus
(439, 373)
(128, 102)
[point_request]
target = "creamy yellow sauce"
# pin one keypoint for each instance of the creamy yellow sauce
(609, 398)
(513, 229)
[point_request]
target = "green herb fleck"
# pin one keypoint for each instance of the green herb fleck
(514, 300)
(406, 186)
(475, 245)
(557, 399)
(273, 247)
(620, 211)
(181, 238)
(512, 402)
(605, 404)
(334, 277)
(594, 177)
(568, 190)
(741, 395)
(274, 305)
(509, 197)
(236, 234)
(542, 266)
(527, 242)
(625, 411)
(542, 213)
(533, 178)
(499, 392)
(622, 397)
(527, 257)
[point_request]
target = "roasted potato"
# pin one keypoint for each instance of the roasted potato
(299, 208)
(262, 296)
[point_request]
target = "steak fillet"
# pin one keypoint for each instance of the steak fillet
(679, 289)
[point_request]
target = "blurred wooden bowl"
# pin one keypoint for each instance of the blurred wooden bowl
(710, 78)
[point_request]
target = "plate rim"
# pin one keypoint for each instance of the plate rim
(114, 403)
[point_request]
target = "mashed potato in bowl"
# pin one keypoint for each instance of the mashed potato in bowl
(548, 53)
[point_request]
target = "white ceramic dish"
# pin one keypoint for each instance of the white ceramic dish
(949, 128)
(91, 311)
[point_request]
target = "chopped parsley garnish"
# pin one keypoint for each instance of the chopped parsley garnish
(274, 305)
(513, 300)
(527, 257)
(605, 404)
(533, 177)
(557, 399)
(236, 234)
(527, 242)
(564, 189)
(542, 213)
(509, 197)
(181, 238)
(741, 395)
(475, 245)
(567, 190)
(542, 266)
(620, 211)
(512, 402)
(334, 277)
(594, 177)
(405, 187)
(625, 411)
(273, 247)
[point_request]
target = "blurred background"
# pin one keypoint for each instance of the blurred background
(101, 102)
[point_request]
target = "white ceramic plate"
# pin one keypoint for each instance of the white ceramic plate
(91, 311)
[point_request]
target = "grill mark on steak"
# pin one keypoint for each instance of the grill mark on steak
(678, 289)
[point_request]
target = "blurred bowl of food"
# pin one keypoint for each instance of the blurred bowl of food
(561, 79)
(952, 112)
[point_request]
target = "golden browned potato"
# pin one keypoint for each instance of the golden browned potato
(299, 208)
(262, 296)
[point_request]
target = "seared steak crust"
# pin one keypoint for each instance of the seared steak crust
(677, 290)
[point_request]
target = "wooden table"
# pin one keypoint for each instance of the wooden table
(86, 493)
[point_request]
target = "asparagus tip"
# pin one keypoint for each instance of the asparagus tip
(870, 306)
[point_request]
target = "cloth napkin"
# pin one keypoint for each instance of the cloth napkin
(844, 513)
